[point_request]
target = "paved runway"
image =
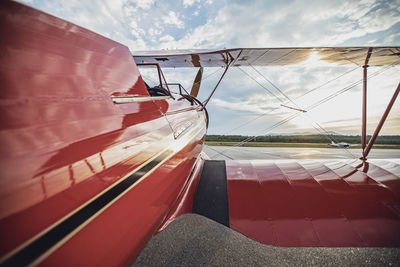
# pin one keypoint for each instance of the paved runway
(250, 153)
(193, 240)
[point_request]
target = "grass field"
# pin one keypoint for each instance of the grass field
(309, 145)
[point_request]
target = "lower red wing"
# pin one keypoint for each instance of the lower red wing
(325, 203)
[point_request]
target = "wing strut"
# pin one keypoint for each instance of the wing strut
(229, 59)
(381, 122)
(364, 105)
(196, 83)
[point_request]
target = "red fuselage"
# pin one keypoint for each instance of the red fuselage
(81, 173)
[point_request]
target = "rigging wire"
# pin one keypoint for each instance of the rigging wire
(310, 107)
(260, 84)
(326, 134)
(218, 152)
(209, 75)
(314, 105)
(329, 81)
(310, 91)
(294, 103)
(271, 83)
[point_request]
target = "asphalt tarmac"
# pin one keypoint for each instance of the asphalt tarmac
(250, 153)
(193, 240)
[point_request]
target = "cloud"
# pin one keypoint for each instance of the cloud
(255, 103)
(144, 4)
(147, 25)
(188, 3)
(297, 23)
(173, 19)
(257, 23)
(167, 38)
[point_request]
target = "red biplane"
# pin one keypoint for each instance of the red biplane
(94, 161)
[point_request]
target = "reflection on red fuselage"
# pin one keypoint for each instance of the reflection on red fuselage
(64, 142)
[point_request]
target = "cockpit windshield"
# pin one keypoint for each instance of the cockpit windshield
(153, 79)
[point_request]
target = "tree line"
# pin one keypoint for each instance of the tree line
(317, 138)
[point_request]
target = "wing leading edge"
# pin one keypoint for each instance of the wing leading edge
(380, 56)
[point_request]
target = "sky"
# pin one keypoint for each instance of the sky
(240, 105)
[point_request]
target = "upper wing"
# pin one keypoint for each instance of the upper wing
(380, 56)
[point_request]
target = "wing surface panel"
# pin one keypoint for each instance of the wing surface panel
(318, 203)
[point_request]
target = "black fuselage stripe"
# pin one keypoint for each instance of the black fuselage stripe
(39, 246)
